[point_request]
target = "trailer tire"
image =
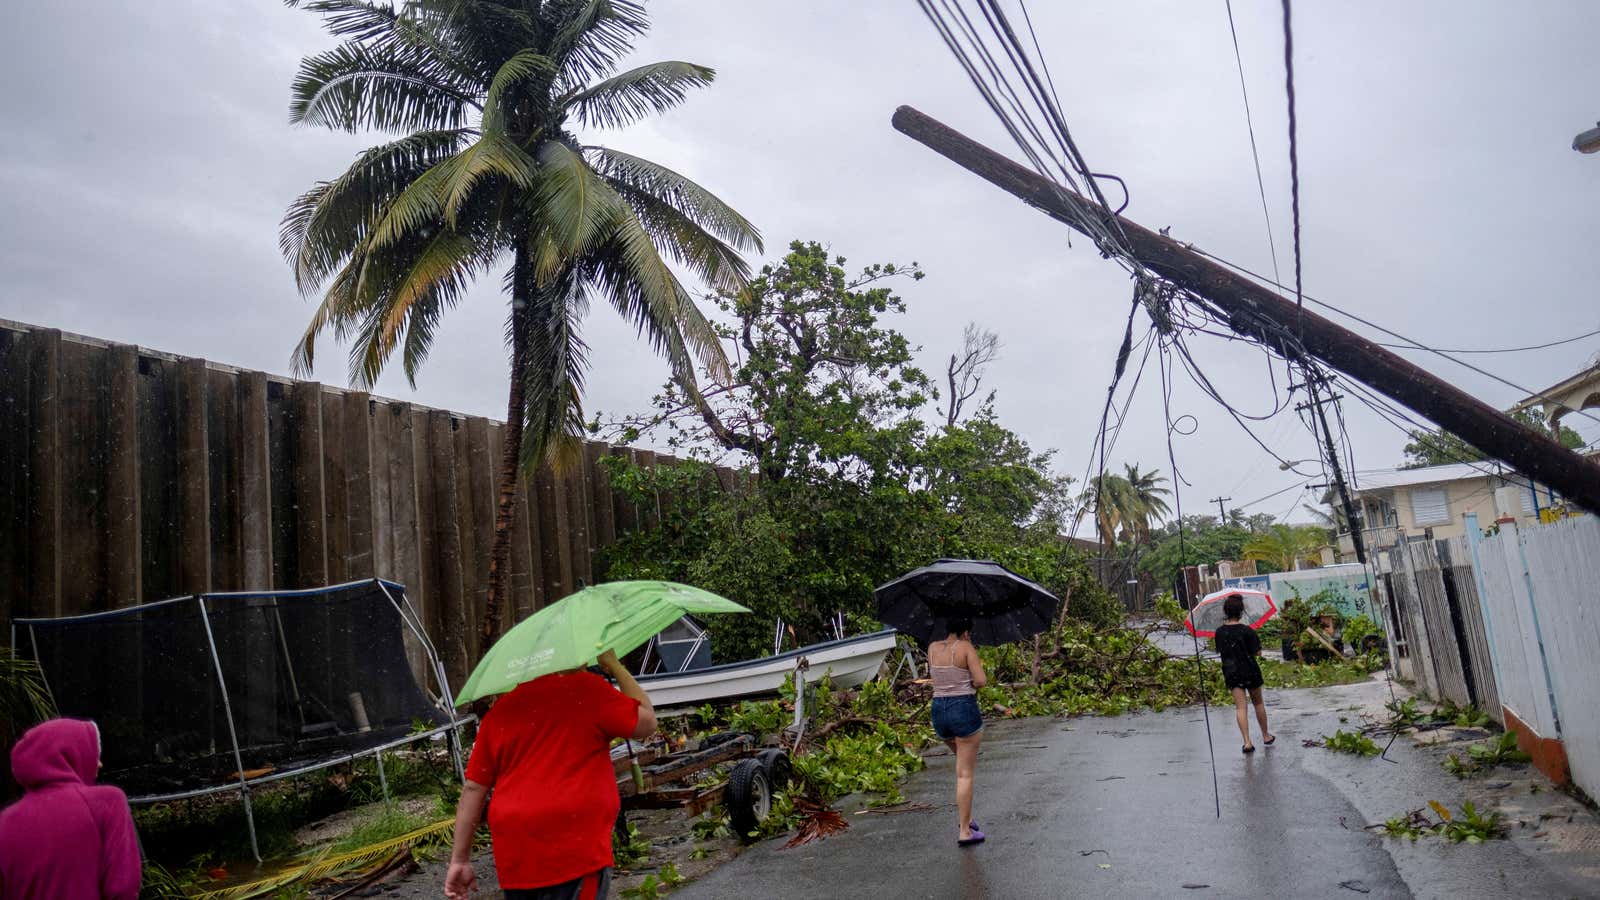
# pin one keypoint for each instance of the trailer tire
(748, 798)
(780, 770)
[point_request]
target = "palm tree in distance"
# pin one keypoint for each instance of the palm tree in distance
(1125, 506)
(1147, 498)
(488, 172)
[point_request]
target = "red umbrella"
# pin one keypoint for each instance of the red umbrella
(1206, 616)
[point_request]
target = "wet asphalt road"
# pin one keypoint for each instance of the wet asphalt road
(1123, 807)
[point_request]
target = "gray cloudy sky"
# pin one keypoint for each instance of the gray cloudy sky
(147, 161)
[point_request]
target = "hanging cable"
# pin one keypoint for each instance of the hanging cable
(1250, 125)
(1294, 153)
(1183, 559)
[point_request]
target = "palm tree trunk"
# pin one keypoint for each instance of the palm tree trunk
(510, 451)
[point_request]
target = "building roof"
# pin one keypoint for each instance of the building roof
(1385, 479)
(1571, 393)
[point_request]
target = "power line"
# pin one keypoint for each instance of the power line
(1294, 155)
(1410, 342)
(1249, 122)
(1570, 340)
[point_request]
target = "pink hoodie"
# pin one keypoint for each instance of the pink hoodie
(68, 837)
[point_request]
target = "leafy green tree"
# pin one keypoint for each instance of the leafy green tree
(820, 392)
(1203, 542)
(1440, 447)
(1284, 546)
(489, 173)
(853, 488)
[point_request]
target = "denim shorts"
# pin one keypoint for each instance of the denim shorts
(956, 717)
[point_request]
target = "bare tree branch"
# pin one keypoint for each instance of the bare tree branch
(979, 348)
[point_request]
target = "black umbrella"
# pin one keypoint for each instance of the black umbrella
(1002, 605)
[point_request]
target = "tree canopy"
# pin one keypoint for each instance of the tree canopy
(854, 484)
(1440, 447)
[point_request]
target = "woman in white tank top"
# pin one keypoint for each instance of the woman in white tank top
(957, 674)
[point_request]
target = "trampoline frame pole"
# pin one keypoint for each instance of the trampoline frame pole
(382, 779)
(233, 734)
(414, 622)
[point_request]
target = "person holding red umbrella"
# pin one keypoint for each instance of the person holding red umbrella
(1239, 645)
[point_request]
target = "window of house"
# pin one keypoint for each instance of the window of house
(1430, 506)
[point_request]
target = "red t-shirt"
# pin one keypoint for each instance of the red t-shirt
(544, 749)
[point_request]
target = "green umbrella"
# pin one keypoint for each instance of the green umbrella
(572, 632)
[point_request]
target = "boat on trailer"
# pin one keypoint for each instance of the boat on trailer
(848, 662)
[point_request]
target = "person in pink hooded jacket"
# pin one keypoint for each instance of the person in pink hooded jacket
(67, 838)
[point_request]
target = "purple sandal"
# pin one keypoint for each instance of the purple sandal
(977, 838)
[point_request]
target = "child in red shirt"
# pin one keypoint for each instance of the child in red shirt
(544, 749)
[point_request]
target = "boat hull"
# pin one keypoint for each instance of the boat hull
(850, 663)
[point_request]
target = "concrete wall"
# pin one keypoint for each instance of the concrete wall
(128, 476)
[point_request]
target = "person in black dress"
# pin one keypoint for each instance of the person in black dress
(1239, 645)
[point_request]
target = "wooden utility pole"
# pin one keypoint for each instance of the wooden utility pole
(1254, 311)
(1222, 514)
(1352, 516)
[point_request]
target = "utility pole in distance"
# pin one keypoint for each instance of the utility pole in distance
(1222, 516)
(1256, 312)
(1352, 516)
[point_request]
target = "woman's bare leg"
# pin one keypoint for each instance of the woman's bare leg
(1261, 711)
(966, 768)
(952, 745)
(1241, 715)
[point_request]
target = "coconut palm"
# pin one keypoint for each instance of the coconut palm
(489, 173)
(1147, 500)
(1126, 505)
(1285, 546)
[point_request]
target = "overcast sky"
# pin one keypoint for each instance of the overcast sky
(148, 159)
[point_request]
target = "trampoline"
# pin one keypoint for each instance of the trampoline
(225, 692)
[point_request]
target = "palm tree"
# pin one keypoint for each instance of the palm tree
(1148, 505)
(1126, 505)
(1284, 546)
(488, 172)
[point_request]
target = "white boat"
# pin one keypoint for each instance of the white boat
(850, 662)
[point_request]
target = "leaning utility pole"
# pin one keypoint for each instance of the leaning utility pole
(1352, 516)
(1254, 311)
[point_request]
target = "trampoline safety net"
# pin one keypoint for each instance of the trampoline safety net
(307, 676)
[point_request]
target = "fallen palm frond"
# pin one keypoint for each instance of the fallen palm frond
(324, 864)
(820, 820)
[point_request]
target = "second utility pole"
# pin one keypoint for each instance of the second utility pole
(1352, 516)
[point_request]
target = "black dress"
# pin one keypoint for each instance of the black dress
(1238, 645)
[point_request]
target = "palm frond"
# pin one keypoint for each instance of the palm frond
(520, 68)
(693, 201)
(322, 864)
(327, 223)
(436, 275)
(391, 88)
(589, 36)
(493, 154)
(575, 206)
(636, 94)
(643, 289)
(712, 261)
(553, 377)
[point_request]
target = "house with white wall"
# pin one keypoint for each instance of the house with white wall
(1433, 502)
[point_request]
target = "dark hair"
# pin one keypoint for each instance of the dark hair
(957, 625)
(1233, 606)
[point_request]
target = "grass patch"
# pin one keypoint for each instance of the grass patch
(1279, 674)
(382, 825)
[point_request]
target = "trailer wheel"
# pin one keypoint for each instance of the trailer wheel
(748, 797)
(779, 768)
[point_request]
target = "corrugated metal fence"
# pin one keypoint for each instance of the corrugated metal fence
(1511, 623)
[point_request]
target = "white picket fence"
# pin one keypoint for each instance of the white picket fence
(1538, 593)
(1549, 577)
